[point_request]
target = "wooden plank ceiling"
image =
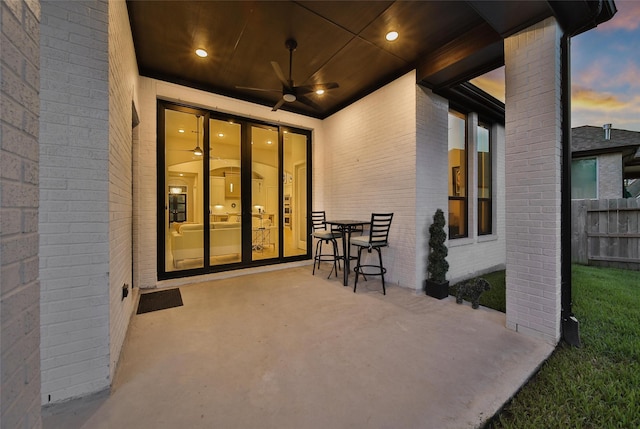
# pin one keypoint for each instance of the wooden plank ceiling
(447, 42)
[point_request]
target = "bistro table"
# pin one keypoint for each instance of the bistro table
(346, 227)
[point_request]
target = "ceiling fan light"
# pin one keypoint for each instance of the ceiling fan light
(197, 151)
(289, 98)
(320, 91)
(201, 53)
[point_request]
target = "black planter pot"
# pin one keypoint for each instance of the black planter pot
(436, 290)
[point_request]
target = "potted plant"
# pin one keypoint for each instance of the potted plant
(436, 284)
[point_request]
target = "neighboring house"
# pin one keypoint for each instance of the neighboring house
(83, 200)
(603, 160)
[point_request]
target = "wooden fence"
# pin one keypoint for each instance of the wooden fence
(606, 233)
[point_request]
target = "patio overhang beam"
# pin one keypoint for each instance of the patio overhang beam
(477, 51)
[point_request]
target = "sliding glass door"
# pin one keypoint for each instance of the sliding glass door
(232, 194)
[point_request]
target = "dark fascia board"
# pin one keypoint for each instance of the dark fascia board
(576, 17)
(469, 98)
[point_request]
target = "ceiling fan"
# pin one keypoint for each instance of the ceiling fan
(289, 91)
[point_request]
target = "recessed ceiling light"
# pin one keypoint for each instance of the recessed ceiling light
(320, 91)
(220, 135)
(201, 53)
(181, 130)
(269, 142)
(391, 36)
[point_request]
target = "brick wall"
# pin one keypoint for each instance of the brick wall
(370, 166)
(432, 125)
(19, 284)
(533, 157)
(123, 78)
(74, 199)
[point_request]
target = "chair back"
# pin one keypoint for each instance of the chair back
(318, 219)
(379, 229)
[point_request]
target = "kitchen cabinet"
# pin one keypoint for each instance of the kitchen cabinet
(217, 190)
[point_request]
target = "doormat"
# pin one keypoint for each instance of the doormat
(159, 300)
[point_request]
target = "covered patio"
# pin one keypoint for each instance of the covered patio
(288, 349)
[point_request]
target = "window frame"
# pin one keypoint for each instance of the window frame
(464, 199)
(488, 201)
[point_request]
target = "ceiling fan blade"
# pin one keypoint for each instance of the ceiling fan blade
(278, 70)
(278, 104)
(305, 100)
(307, 89)
(259, 89)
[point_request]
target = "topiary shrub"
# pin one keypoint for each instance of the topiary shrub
(438, 265)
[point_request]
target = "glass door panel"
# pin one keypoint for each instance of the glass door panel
(225, 192)
(183, 231)
(264, 193)
(294, 206)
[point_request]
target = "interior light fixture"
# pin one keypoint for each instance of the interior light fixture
(391, 36)
(289, 98)
(201, 53)
(269, 142)
(320, 91)
(197, 151)
(181, 130)
(220, 134)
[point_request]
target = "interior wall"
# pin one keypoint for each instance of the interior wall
(370, 166)
(19, 171)
(74, 199)
(123, 77)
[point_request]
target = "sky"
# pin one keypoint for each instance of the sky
(605, 72)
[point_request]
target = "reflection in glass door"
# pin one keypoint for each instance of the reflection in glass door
(265, 220)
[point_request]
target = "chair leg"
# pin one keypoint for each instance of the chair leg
(356, 269)
(384, 291)
(336, 264)
(316, 258)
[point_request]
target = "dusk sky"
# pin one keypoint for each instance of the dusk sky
(605, 72)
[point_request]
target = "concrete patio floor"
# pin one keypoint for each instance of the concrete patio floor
(285, 349)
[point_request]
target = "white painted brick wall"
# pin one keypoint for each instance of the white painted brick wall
(19, 283)
(610, 176)
(370, 166)
(533, 157)
(123, 78)
(432, 126)
(74, 199)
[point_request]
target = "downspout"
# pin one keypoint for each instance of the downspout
(570, 325)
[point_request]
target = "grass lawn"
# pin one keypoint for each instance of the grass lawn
(598, 384)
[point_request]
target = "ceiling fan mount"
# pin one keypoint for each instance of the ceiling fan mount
(290, 92)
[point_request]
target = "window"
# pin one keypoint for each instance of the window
(584, 178)
(484, 180)
(457, 175)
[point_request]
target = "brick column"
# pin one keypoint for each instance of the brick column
(533, 172)
(19, 284)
